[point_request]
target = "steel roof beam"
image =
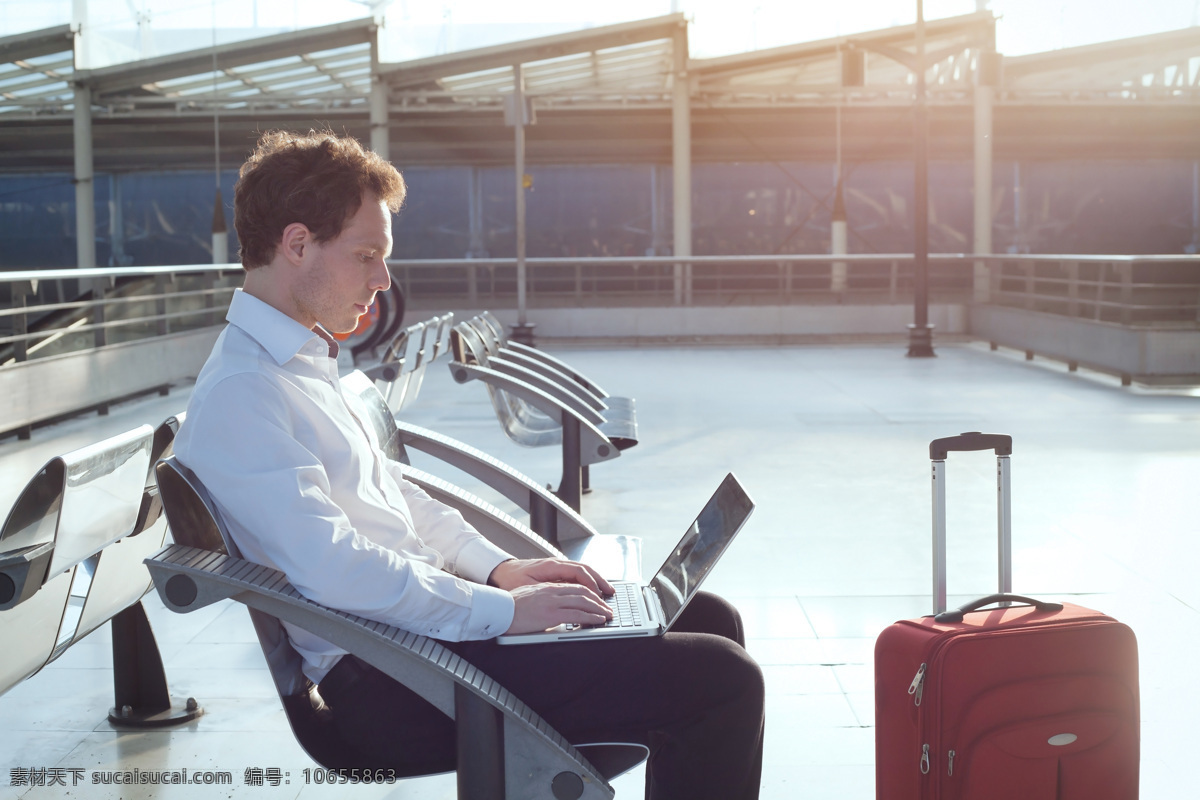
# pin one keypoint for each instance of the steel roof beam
(977, 24)
(262, 79)
(424, 70)
(37, 43)
(1159, 46)
(251, 51)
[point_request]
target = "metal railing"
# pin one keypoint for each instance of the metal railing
(51, 312)
(127, 330)
(698, 280)
(1128, 290)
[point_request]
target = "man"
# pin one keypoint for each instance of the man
(304, 488)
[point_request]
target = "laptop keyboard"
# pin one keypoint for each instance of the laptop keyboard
(627, 609)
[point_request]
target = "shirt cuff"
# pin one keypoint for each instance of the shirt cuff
(477, 559)
(492, 612)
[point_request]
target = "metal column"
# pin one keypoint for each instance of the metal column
(1195, 248)
(984, 98)
(920, 333)
(839, 274)
(681, 154)
(987, 78)
(220, 231)
(116, 225)
(660, 244)
(378, 105)
(85, 196)
(475, 233)
(522, 331)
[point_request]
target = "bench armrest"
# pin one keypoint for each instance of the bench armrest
(496, 526)
(594, 445)
(535, 755)
(516, 486)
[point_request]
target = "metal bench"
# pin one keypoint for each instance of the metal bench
(554, 529)
(71, 553)
(619, 412)
(535, 411)
(504, 750)
(401, 371)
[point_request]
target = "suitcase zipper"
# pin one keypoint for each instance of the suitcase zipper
(950, 763)
(917, 687)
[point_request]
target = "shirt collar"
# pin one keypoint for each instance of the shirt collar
(280, 335)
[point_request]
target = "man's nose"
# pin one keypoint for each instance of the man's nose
(381, 278)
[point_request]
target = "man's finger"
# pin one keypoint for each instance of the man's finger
(580, 598)
(604, 586)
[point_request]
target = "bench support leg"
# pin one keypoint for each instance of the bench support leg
(570, 490)
(479, 728)
(139, 683)
(543, 518)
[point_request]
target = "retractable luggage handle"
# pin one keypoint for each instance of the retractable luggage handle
(1001, 444)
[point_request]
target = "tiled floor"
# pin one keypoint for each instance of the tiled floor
(832, 443)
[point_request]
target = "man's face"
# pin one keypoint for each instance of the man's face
(339, 279)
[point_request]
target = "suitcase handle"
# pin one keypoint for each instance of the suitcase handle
(1001, 443)
(957, 614)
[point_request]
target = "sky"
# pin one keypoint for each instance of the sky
(417, 28)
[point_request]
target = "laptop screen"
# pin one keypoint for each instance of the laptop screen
(680, 575)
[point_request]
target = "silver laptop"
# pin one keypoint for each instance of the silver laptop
(652, 609)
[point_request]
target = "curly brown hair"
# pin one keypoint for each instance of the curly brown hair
(317, 178)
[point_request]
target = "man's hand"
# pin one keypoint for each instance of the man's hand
(544, 605)
(551, 591)
(526, 572)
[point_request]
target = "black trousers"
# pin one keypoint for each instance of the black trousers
(694, 697)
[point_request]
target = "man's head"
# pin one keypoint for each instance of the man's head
(314, 215)
(317, 179)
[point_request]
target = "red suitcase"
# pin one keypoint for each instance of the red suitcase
(1036, 701)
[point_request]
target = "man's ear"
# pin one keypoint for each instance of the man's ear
(297, 238)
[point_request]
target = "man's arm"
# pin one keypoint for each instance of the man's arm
(546, 592)
(278, 502)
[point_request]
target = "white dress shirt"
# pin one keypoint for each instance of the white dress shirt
(303, 487)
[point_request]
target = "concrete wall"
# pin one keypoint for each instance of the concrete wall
(1146, 355)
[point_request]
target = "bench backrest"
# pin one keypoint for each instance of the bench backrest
(401, 353)
(489, 319)
(487, 335)
(196, 521)
(410, 354)
(379, 415)
(433, 345)
(119, 577)
(523, 423)
(74, 508)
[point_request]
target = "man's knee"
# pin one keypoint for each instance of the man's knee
(710, 613)
(723, 672)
